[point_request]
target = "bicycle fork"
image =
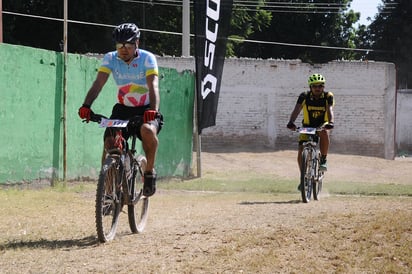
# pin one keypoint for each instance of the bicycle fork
(134, 168)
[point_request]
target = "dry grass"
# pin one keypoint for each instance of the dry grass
(52, 231)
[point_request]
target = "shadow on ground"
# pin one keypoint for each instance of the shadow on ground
(52, 244)
(268, 203)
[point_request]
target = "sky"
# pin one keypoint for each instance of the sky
(367, 8)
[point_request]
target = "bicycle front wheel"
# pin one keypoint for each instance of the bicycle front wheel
(317, 183)
(138, 209)
(306, 178)
(108, 200)
(317, 187)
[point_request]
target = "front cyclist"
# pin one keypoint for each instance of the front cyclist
(317, 105)
(135, 72)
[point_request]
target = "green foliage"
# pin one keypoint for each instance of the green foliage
(299, 26)
(36, 33)
(390, 35)
(245, 22)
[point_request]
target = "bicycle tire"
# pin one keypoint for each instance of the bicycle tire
(306, 179)
(138, 210)
(317, 188)
(108, 200)
(317, 183)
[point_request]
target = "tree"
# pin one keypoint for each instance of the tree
(303, 22)
(245, 22)
(313, 22)
(27, 31)
(390, 35)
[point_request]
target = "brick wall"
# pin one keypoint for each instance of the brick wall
(257, 97)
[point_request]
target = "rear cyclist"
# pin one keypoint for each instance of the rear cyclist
(135, 72)
(317, 105)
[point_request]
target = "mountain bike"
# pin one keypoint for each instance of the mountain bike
(311, 177)
(120, 181)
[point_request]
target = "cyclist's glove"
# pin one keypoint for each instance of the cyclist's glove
(291, 125)
(149, 115)
(329, 125)
(84, 112)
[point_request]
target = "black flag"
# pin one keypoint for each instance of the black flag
(212, 22)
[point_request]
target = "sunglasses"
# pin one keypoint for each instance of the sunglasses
(318, 86)
(126, 45)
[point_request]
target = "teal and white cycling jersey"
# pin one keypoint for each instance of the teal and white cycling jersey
(131, 78)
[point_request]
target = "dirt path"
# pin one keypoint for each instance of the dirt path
(340, 167)
(212, 232)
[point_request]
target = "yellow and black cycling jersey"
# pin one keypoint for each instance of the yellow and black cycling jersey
(315, 110)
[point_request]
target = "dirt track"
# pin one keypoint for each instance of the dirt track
(345, 168)
(212, 232)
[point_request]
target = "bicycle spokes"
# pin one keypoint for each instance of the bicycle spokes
(307, 174)
(108, 206)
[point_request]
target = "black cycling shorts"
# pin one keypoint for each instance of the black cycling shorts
(123, 112)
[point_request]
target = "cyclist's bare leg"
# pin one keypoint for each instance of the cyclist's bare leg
(324, 142)
(149, 143)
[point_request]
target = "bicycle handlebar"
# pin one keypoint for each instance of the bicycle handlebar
(309, 130)
(133, 121)
(96, 117)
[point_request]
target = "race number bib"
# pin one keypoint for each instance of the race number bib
(113, 123)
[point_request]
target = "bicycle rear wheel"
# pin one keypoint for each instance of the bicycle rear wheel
(138, 209)
(108, 200)
(306, 180)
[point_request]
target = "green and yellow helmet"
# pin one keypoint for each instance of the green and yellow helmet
(316, 79)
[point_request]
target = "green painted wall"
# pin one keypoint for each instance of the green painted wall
(31, 111)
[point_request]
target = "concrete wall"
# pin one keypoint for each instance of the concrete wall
(404, 122)
(31, 115)
(257, 97)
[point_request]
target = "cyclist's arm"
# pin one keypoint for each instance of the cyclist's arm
(295, 113)
(330, 114)
(96, 87)
(153, 85)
